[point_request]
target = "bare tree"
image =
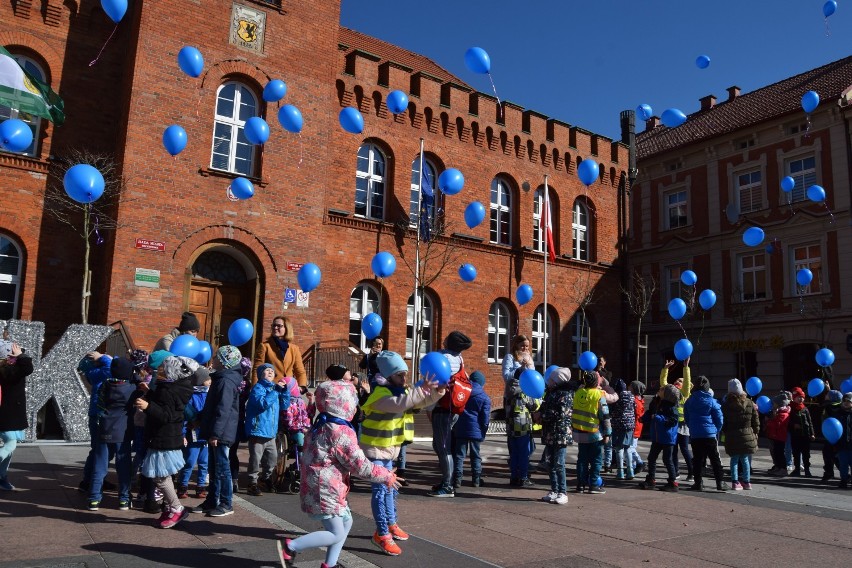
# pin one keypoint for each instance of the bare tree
(639, 296)
(582, 292)
(87, 220)
(814, 309)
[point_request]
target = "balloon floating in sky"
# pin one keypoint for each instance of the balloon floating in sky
(397, 102)
(677, 309)
(816, 193)
(242, 188)
(477, 60)
(702, 62)
(683, 349)
(707, 299)
(689, 278)
(383, 265)
(174, 139)
(116, 9)
(829, 8)
(588, 171)
(274, 90)
(451, 181)
(524, 294)
(467, 272)
(804, 276)
(810, 101)
(84, 183)
(256, 130)
(15, 135)
(291, 119)
(787, 184)
(753, 236)
(190, 61)
(309, 277)
(474, 214)
(351, 120)
(644, 112)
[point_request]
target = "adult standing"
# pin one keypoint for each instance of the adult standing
(15, 366)
(368, 362)
(279, 351)
(519, 356)
(188, 325)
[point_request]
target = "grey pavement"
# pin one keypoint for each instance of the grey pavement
(783, 522)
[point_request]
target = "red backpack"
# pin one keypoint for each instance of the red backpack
(459, 388)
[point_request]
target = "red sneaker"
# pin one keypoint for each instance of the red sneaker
(386, 544)
(397, 533)
(174, 518)
(286, 555)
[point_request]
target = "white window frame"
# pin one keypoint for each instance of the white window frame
(414, 203)
(672, 282)
(813, 263)
(580, 340)
(804, 176)
(580, 232)
(670, 206)
(370, 200)
(500, 218)
(749, 186)
(34, 122)
(427, 313)
(11, 279)
(540, 337)
(499, 324)
(234, 126)
(752, 274)
(362, 295)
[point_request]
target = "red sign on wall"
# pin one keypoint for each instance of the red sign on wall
(294, 266)
(145, 244)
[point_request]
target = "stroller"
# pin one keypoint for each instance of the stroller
(286, 478)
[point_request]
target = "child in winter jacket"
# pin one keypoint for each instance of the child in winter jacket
(15, 366)
(637, 389)
(703, 416)
(740, 425)
(844, 444)
(592, 429)
(831, 409)
(194, 447)
(555, 412)
(662, 422)
(519, 427)
(801, 430)
(470, 429)
(777, 427)
(623, 416)
(265, 402)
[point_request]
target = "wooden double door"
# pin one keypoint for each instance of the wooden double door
(217, 305)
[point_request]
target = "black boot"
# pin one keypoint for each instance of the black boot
(477, 481)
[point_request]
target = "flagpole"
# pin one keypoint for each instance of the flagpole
(416, 333)
(546, 206)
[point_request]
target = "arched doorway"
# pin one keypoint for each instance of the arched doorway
(225, 286)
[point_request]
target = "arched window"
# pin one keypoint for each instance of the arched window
(34, 122)
(370, 183)
(364, 300)
(10, 278)
(501, 212)
(580, 332)
(540, 336)
(232, 152)
(426, 198)
(580, 231)
(499, 325)
(427, 339)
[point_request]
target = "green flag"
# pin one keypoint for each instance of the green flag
(26, 94)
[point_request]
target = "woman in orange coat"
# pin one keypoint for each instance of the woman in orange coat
(279, 351)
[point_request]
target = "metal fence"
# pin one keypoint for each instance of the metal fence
(319, 356)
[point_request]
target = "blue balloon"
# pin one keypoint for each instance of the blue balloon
(371, 325)
(174, 139)
(256, 130)
(644, 111)
(683, 349)
(474, 214)
(548, 371)
(115, 9)
(753, 236)
(677, 309)
(832, 429)
(83, 183)
(309, 277)
(689, 278)
(787, 184)
(588, 171)
(384, 264)
(673, 117)
(290, 118)
(242, 188)
(435, 366)
(804, 276)
(467, 272)
(451, 181)
(184, 345)
(825, 357)
(764, 405)
(702, 62)
(827, 10)
(351, 120)
(205, 351)
(707, 299)
(190, 61)
(240, 332)
(477, 60)
(397, 102)
(524, 294)
(274, 90)
(810, 101)
(15, 135)
(816, 193)
(846, 386)
(587, 361)
(532, 383)
(815, 387)
(753, 386)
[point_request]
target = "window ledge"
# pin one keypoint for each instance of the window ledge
(274, 6)
(208, 172)
(468, 237)
(23, 162)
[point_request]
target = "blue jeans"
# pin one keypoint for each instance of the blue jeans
(686, 451)
(400, 459)
(194, 453)
(844, 456)
(221, 488)
(607, 458)
(460, 450)
(633, 450)
(93, 441)
(741, 467)
(103, 453)
(788, 451)
(10, 442)
(520, 448)
(668, 451)
(383, 502)
(589, 461)
(558, 483)
(442, 443)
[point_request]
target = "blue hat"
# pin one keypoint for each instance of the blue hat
(261, 368)
(478, 378)
(390, 363)
(121, 369)
(156, 358)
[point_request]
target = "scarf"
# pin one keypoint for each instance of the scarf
(283, 345)
(797, 406)
(324, 418)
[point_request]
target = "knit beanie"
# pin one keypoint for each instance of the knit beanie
(457, 341)
(670, 394)
(798, 392)
(478, 378)
(637, 388)
(121, 369)
(834, 396)
(559, 376)
(176, 368)
(139, 358)
(200, 376)
(261, 368)
(703, 383)
(156, 358)
(335, 372)
(735, 387)
(390, 363)
(188, 322)
(229, 356)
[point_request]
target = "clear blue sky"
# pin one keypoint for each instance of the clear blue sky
(584, 62)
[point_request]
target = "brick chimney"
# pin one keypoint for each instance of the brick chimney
(707, 102)
(652, 123)
(733, 92)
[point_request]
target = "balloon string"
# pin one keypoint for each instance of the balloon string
(301, 149)
(99, 240)
(680, 325)
(808, 128)
(493, 88)
(829, 211)
(790, 203)
(827, 29)
(95, 60)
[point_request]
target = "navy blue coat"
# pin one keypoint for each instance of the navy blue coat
(703, 414)
(662, 420)
(221, 415)
(472, 424)
(114, 421)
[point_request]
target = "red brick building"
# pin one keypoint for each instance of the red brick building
(323, 196)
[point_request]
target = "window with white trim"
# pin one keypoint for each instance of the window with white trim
(232, 152)
(752, 276)
(580, 335)
(542, 336)
(426, 340)
(363, 300)
(10, 278)
(370, 183)
(675, 208)
(34, 122)
(750, 191)
(672, 282)
(580, 231)
(501, 212)
(810, 257)
(803, 171)
(499, 323)
(416, 194)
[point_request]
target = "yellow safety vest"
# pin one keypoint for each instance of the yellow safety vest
(385, 429)
(586, 405)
